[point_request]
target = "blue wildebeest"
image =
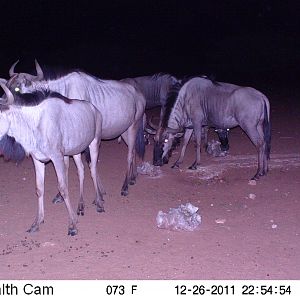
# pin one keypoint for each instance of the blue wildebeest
(51, 127)
(121, 105)
(156, 90)
(201, 102)
(158, 159)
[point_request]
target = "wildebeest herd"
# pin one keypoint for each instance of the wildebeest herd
(51, 119)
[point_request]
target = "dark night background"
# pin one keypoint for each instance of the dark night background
(241, 42)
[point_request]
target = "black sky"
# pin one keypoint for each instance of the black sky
(233, 40)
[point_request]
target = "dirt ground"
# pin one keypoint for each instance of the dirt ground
(247, 231)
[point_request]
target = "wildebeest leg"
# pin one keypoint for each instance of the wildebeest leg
(257, 138)
(262, 156)
(58, 198)
(94, 149)
(131, 166)
(40, 181)
(197, 133)
(80, 171)
(129, 137)
(157, 149)
(186, 139)
(61, 173)
(205, 136)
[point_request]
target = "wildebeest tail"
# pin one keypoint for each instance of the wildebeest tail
(140, 140)
(87, 155)
(267, 130)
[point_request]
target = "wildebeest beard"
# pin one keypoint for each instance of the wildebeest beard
(11, 149)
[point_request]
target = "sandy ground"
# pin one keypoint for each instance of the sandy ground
(247, 231)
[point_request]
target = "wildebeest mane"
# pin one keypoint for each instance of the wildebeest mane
(55, 74)
(160, 74)
(36, 97)
(171, 99)
(210, 77)
(11, 149)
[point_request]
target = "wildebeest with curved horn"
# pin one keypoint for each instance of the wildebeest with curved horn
(50, 127)
(122, 107)
(156, 90)
(201, 102)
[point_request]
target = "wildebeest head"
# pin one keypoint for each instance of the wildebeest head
(223, 137)
(170, 142)
(158, 136)
(19, 81)
(165, 141)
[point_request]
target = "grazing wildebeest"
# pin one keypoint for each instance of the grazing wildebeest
(201, 102)
(121, 105)
(156, 90)
(51, 127)
(158, 160)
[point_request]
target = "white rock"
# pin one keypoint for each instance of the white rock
(252, 196)
(220, 221)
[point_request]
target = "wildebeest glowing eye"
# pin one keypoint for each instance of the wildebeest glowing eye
(166, 140)
(17, 89)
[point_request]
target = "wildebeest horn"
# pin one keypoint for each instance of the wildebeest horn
(150, 130)
(39, 71)
(172, 130)
(10, 96)
(12, 69)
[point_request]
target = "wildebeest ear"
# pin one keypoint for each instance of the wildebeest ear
(2, 80)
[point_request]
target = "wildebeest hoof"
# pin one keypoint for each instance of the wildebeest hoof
(124, 193)
(72, 231)
(100, 209)
(80, 212)
(33, 228)
(193, 167)
(132, 181)
(256, 176)
(58, 199)
(175, 166)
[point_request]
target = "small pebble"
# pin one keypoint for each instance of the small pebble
(252, 196)
(252, 182)
(220, 221)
